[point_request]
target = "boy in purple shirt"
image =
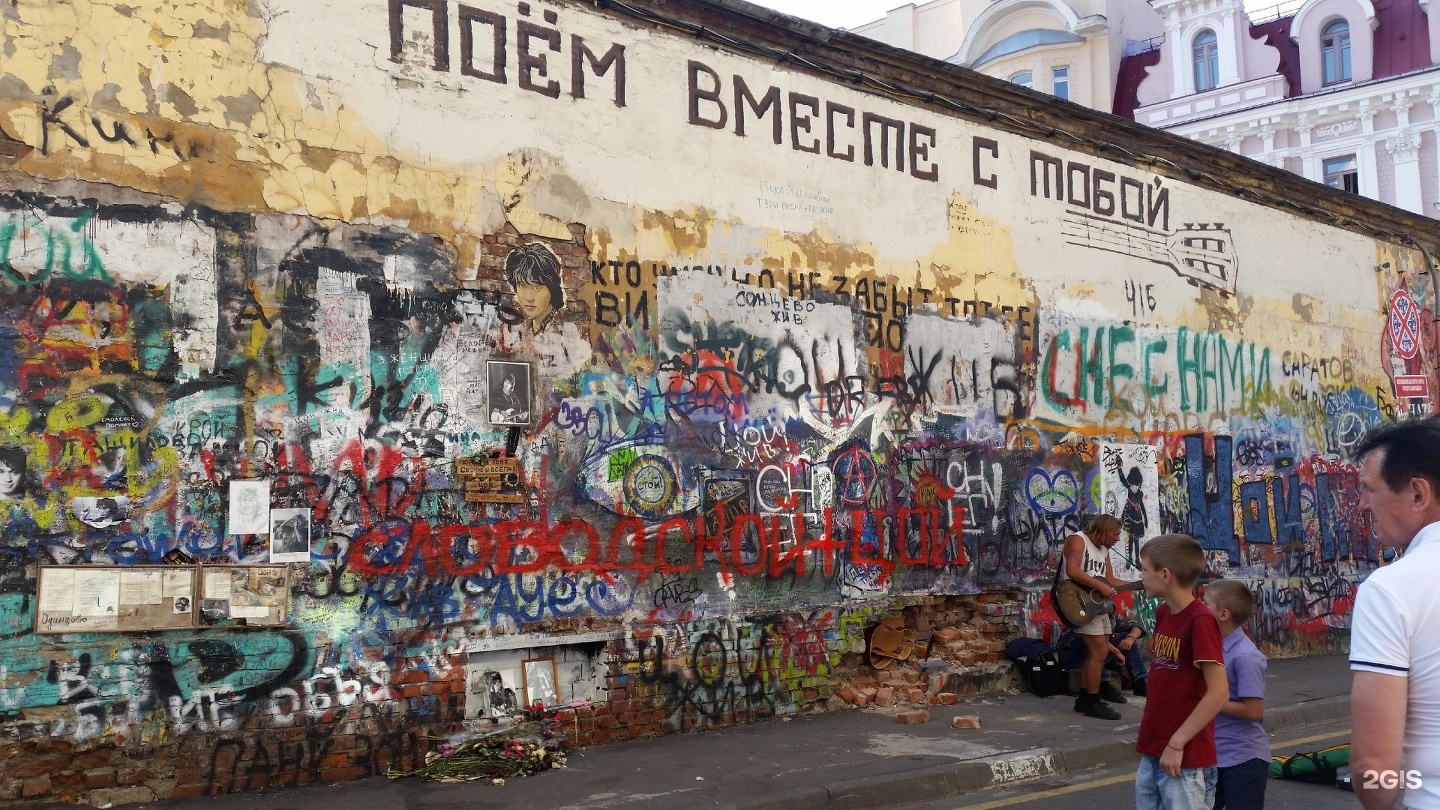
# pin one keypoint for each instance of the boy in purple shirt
(1241, 745)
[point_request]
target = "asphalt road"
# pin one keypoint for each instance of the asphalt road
(1114, 788)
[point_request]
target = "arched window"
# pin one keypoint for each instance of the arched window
(1206, 56)
(1024, 78)
(1335, 52)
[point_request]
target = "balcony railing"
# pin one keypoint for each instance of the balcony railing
(1264, 15)
(1135, 47)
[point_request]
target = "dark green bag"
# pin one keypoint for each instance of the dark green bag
(1315, 766)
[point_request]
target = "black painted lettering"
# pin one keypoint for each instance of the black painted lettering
(799, 122)
(920, 151)
(1048, 167)
(440, 17)
(469, 18)
(991, 146)
(868, 121)
(697, 95)
(830, 109)
(1079, 192)
(536, 63)
(1127, 186)
(614, 59)
(769, 105)
(1104, 199)
(1158, 205)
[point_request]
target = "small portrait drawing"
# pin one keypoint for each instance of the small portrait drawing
(249, 507)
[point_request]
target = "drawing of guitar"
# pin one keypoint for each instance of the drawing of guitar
(1202, 254)
(1077, 604)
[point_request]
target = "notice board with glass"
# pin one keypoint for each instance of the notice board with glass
(244, 595)
(114, 599)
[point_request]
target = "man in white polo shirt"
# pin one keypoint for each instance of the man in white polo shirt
(1395, 632)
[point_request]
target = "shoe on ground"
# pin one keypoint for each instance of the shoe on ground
(1110, 695)
(1100, 710)
(1139, 689)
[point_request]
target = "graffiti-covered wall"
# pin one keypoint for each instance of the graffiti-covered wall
(539, 332)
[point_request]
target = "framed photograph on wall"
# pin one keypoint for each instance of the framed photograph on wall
(499, 692)
(541, 682)
(509, 390)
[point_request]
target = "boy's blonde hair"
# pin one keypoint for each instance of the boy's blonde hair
(1234, 596)
(1178, 552)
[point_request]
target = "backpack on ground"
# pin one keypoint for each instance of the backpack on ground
(1039, 666)
(1319, 766)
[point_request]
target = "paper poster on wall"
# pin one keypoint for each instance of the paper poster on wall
(176, 584)
(141, 588)
(217, 585)
(249, 507)
(97, 593)
(289, 535)
(101, 513)
(58, 595)
(1130, 490)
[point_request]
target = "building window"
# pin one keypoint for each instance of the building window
(1060, 82)
(1335, 52)
(1024, 78)
(1207, 62)
(1343, 173)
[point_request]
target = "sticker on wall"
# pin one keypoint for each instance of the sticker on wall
(509, 387)
(289, 535)
(1130, 490)
(249, 507)
(1405, 324)
(1412, 386)
(650, 486)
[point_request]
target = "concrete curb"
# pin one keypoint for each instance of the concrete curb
(1309, 713)
(955, 778)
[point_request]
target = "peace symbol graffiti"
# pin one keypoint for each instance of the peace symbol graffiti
(1405, 324)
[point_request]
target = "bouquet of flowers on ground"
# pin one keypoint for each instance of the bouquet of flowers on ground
(493, 757)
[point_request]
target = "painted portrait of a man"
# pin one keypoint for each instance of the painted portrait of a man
(534, 272)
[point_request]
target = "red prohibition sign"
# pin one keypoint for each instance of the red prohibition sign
(1405, 324)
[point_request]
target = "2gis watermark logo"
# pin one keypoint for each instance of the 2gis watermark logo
(1389, 780)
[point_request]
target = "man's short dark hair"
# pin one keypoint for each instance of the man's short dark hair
(1412, 450)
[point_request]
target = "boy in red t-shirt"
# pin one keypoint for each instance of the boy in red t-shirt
(1187, 682)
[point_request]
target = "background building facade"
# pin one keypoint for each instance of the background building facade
(1342, 92)
(643, 356)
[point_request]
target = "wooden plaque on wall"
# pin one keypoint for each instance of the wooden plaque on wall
(490, 480)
